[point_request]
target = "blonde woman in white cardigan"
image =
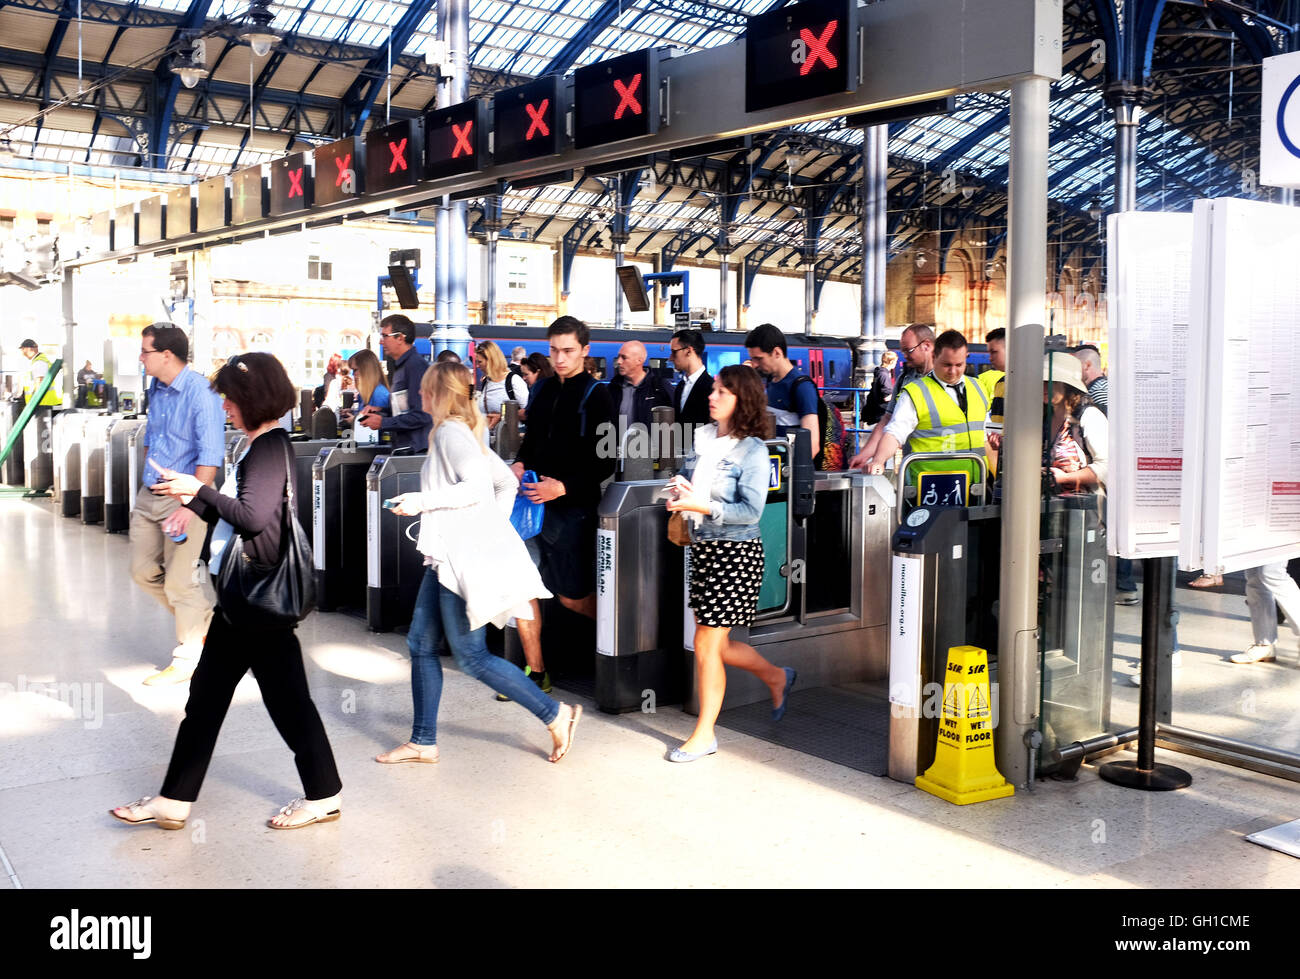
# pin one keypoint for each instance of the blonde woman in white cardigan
(477, 568)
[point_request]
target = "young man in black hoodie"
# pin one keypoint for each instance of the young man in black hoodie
(570, 414)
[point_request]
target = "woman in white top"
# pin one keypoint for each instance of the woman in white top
(1077, 445)
(477, 568)
(492, 362)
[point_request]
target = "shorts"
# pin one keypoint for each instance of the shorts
(564, 551)
(726, 576)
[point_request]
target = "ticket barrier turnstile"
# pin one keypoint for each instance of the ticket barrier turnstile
(94, 432)
(117, 474)
(136, 452)
(394, 567)
(38, 451)
(1076, 622)
(945, 574)
(69, 429)
(338, 507)
(12, 472)
(823, 602)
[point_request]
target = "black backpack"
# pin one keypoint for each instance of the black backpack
(514, 383)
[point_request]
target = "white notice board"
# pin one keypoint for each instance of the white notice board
(1241, 500)
(1149, 257)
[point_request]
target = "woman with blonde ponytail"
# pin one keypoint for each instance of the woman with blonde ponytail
(477, 568)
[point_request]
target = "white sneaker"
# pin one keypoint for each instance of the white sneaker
(1135, 679)
(1256, 652)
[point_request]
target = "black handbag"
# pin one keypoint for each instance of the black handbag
(251, 595)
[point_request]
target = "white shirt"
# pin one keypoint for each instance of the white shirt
(904, 422)
(690, 383)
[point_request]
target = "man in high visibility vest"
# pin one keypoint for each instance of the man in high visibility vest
(943, 411)
(37, 369)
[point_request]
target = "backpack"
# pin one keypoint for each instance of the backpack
(835, 451)
(514, 379)
(876, 399)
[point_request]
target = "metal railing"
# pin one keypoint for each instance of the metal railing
(859, 394)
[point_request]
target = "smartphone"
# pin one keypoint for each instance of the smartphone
(390, 504)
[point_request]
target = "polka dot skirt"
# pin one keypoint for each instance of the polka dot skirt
(725, 579)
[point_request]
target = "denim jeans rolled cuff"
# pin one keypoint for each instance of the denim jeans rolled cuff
(440, 612)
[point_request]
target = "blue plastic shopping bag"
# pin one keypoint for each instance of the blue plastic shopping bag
(526, 517)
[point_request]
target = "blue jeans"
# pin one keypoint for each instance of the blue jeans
(1124, 575)
(441, 612)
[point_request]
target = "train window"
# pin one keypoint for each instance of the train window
(658, 363)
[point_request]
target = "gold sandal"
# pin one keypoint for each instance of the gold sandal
(419, 757)
(143, 813)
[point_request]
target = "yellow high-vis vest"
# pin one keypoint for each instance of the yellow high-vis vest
(988, 380)
(942, 427)
(53, 395)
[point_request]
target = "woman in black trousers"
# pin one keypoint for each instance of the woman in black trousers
(257, 393)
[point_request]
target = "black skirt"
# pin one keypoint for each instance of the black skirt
(726, 576)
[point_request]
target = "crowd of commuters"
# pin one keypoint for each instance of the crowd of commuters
(478, 569)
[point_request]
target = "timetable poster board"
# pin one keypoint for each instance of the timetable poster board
(1149, 262)
(1245, 345)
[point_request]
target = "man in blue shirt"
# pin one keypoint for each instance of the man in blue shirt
(183, 432)
(791, 404)
(409, 422)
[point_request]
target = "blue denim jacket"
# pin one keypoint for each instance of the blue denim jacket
(738, 492)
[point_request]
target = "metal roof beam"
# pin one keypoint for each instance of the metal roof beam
(360, 96)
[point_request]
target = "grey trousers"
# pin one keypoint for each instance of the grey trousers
(1265, 586)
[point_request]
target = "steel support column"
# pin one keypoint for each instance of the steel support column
(456, 14)
(1127, 120)
(1022, 436)
(875, 242)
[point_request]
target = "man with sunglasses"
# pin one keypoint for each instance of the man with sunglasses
(183, 431)
(916, 346)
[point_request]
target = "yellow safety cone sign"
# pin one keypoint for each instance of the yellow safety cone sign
(964, 771)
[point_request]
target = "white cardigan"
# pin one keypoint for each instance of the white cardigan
(467, 494)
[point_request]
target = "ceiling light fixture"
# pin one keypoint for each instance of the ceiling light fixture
(261, 36)
(190, 61)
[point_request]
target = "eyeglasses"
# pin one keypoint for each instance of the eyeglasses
(146, 353)
(907, 350)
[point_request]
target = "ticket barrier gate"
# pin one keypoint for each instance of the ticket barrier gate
(38, 452)
(95, 431)
(69, 429)
(944, 589)
(394, 567)
(1076, 622)
(338, 503)
(12, 472)
(117, 473)
(823, 601)
(136, 452)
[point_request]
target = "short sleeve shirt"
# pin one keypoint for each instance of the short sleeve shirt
(789, 402)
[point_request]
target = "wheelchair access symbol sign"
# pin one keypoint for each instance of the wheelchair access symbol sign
(1279, 136)
(942, 489)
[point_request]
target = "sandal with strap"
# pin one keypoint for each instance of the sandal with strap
(304, 812)
(567, 728)
(141, 812)
(422, 754)
(1207, 581)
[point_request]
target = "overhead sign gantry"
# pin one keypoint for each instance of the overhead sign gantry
(811, 60)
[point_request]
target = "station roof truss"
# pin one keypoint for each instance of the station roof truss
(97, 88)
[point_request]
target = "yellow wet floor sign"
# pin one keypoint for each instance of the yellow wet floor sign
(963, 769)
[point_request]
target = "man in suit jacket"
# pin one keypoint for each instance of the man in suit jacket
(691, 398)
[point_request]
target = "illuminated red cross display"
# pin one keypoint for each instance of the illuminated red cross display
(343, 165)
(817, 48)
(462, 139)
(627, 96)
(295, 182)
(538, 122)
(399, 156)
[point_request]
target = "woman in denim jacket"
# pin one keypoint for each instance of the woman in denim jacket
(722, 494)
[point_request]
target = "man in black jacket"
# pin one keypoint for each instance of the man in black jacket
(570, 416)
(691, 398)
(409, 422)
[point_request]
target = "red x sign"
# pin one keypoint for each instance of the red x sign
(295, 182)
(817, 48)
(627, 96)
(343, 164)
(537, 119)
(462, 139)
(399, 156)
